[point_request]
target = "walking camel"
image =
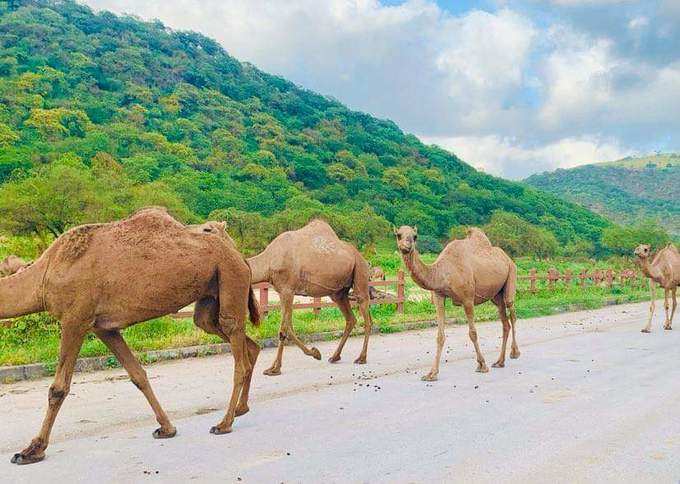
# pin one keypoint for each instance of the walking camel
(469, 271)
(665, 271)
(313, 261)
(11, 265)
(106, 277)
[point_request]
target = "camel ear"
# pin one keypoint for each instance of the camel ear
(222, 225)
(415, 229)
(394, 229)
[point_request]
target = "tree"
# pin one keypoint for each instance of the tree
(622, 240)
(518, 237)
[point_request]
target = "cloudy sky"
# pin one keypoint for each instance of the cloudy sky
(512, 86)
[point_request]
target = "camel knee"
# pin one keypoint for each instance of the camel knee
(473, 334)
(56, 394)
(441, 339)
(282, 336)
(139, 378)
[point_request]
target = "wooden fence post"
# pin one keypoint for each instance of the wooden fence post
(553, 275)
(610, 278)
(583, 275)
(400, 291)
(532, 280)
(264, 299)
(567, 277)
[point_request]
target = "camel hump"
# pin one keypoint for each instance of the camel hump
(478, 237)
(76, 241)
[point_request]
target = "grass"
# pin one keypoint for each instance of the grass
(35, 338)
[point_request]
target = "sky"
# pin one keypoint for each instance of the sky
(513, 87)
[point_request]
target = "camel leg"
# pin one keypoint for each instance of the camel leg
(365, 310)
(470, 314)
(253, 350)
(506, 331)
(71, 341)
(514, 349)
(667, 308)
(350, 321)
(675, 304)
(237, 340)
(652, 292)
(441, 337)
(115, 342)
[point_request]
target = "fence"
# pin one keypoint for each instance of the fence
(383, 297)
(597, 277)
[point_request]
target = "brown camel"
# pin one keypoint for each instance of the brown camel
(469, 271)
(313, 261)
(106, 277)
(11, 265)
(664, 270)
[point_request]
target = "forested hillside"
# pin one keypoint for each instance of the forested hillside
(628, 191)
(101, 114)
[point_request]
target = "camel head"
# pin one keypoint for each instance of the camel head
(643, 251)
(406, 238)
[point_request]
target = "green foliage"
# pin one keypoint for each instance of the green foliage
(520, 238)
(629, 191)
(623, 240)
(177, 121)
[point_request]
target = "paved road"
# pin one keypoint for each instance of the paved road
(591, 399)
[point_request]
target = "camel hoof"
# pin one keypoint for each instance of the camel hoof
(242, 410)
(272, 371)
(316, 353)
(644, 330)
(21, 460)
(429, 377)
(515, 354)
(360, 361)
(483, 369)
(667, 328)
(333, 359)
(160, 433)
(217, 430)
(499, 364)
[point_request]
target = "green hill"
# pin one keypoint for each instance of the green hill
(628, 191)
(100, 114)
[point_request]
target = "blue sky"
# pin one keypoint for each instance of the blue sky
(512, 86)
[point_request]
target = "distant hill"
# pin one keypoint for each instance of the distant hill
(136, 113)
(627, 191)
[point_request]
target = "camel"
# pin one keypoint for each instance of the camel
(11, 265)
(313, 261)
(469, 271)
(106, 277)
(665, 271)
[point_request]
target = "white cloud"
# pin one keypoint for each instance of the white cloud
(509, 158)
(572, 3)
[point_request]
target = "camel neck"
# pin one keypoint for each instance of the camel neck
(649, 270)
(259, 268)
(422, 273)
(20, 293)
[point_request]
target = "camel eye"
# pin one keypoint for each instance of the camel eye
(399, 236)
(415, 237)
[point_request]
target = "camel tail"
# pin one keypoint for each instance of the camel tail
(253, 308)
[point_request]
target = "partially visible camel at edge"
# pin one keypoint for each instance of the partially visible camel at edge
(106, 277)
(313, 261)
(663, 270)
(469, 271)
(11, 265)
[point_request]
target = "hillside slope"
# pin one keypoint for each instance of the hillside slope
(173, 115)
(627, 191)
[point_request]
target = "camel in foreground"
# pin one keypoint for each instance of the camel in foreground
(663, 270)
(106, 277)
(469, 271)
(11, 265)
(313, 261)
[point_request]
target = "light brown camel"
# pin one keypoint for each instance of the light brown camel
(664, 270)
(106, 277)
(469, 271)
(11, 265)
(313, 261)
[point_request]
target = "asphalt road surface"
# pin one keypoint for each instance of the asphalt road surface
(590, 399)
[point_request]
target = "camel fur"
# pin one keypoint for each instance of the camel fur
(103, 278)
(664, 270)
(313, 261)
(469, 272)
